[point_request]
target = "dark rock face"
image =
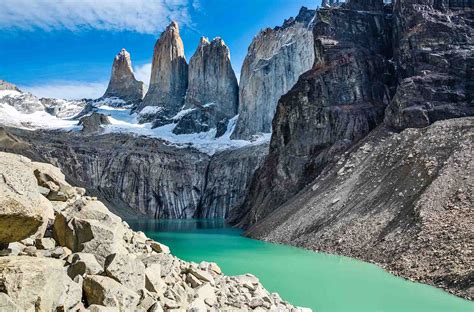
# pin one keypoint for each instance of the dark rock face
(404, 201)
(228, 176)
(213, 92)
(92, 124)
(275, 59)
(144, 176)
(169, 78)
(122, 82)
(434, 56)
(331, 107)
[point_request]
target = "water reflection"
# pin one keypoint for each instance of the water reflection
(191, 225)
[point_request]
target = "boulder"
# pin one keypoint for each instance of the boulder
(92, 124)
(22, 207)
(88, 226)
(153, 281)
(7, 304)
(158, 247)
(105, 291)
(83, 264)
(126, 269)
(99, 308)
(39, 283)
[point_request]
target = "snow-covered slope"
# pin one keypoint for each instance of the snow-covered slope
(24, 110)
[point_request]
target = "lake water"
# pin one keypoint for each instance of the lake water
(323, 282)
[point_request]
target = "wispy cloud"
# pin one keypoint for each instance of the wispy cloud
(70, 90)
(143, 16)
(143, 73)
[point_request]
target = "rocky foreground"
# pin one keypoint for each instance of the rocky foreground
(64, 251)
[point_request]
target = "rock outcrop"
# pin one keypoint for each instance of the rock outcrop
(92, 124)
(275, 60)
(5, 85)
(433, 54)
(139, 175)
(169, 79)
(404, 201)
(130, 274)
(123, 84)
(213, 93)
(331, 107)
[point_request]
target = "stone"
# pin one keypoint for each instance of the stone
(153, 281)
(92, 124)
(83, 264)
(213, 93)
(100, 308)
(123, 84)
(127, 270)
(169, 79)
(22, 207)
(102, 290)
(88, 226)
(38, 282)
(202, 275)
(7, 304)
(198, 305)
(158, 247)
(45, 243)
(193, 281)
(275, 59)
(206, 292)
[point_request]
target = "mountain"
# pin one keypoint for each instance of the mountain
(213, 93)
(341, 177)
(275, 59)
(169, 79)
(123, 84)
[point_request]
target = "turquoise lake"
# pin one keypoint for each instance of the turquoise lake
(323, 282)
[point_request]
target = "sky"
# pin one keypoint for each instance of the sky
(65, 48)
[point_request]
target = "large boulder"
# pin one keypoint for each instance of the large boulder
(88, 226)
(103, 290)
(38, 284)
(22, 207)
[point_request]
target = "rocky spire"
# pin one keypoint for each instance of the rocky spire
(122, 82)
(212, 88)
(169, 76)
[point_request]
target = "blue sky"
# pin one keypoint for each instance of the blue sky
(66, 50)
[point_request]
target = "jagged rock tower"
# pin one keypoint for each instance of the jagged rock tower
(275, 59)
(169, 79)
(213, 92)
(122, 82)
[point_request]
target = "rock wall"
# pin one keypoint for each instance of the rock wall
(122, 82)
(144, 176)
(275, 59)
(213, 93)
(433, 54)
(169, 78)
(332, 106)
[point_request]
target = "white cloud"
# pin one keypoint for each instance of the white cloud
(70, 90)
(143, 73)
(143, 16)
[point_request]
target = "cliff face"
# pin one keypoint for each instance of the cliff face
(169, 78)
(433, 53)
(338, 178)
(212, 94)
(330, 108)
(139, 175)
(275, 60)
(122, 82)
